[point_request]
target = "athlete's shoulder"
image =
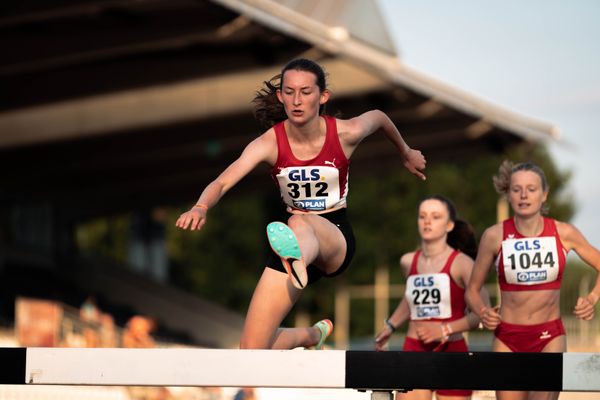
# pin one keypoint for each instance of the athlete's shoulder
(461, 269)
(463, 260)
(266, 139)
(406, 260)
(563, 225)
(566, 231)
(263, 147)
(495, 230)
(343, 125)
(492, 236)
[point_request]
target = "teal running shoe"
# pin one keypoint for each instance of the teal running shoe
(326, 327)
(284, 243)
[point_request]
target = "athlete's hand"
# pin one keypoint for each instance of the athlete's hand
(382, 339)
(415, 162)
(193, 219)
(490, 317)
(429, 332)
(584, 309)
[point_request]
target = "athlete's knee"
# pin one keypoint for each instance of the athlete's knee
(298, 222)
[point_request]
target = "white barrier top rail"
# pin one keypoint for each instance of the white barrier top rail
(362, 370)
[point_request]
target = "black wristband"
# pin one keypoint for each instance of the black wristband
(390, 325)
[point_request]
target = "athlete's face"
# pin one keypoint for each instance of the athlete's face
(526, 194)
(301, 96)
(434, 220)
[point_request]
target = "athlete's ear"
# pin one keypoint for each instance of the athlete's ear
(278, 93)
(324, 96)
(545, 196)
(450, 226)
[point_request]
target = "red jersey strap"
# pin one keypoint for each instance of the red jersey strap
(449, 262)
(509, 229)
(284, 150)
(413, 264)
(332, 135)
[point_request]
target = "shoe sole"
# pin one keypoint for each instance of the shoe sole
(284, 243)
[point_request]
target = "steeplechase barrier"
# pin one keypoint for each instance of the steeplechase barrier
(360, 370)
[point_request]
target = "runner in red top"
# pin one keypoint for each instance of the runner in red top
(434, 304)
(529, 252)
(309, 156)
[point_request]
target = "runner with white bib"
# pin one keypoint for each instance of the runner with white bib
(529, 252)
(436, 276)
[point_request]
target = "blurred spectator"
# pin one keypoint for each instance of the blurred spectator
(137, 333)
(89, 311)
(108, 331)
(90, 316)
(213, 393)
(37, 322)
(246, 393)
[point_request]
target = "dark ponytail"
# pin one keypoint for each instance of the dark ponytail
(462, 236)
(268, 111)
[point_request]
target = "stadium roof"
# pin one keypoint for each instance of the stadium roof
(112, 104)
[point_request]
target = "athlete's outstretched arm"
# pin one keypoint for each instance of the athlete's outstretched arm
(573, 239)
(360, 127)
(259, 150)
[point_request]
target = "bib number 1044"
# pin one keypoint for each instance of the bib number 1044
(526, 260)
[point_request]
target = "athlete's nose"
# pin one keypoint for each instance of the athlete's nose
(297, 99)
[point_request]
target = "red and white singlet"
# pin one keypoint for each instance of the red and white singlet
(530, 263)
(434, 297)
(319, 184)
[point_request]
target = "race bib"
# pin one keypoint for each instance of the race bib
(313, 188)
(428, 296)
(530, 261)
